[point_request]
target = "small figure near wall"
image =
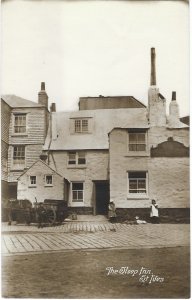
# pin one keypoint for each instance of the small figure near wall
(138, 221)
(111, 212)
(154, 213)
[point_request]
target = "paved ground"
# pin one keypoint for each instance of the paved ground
(20, 239)
(83, 274)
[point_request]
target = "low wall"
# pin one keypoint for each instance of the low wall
(166, 215)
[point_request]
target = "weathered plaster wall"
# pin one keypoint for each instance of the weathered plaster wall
(168, 177)
(41, 191)
(96, 168)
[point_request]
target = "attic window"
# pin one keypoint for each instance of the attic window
(81, 125)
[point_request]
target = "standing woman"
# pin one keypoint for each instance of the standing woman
(111, 212)
(154, 213)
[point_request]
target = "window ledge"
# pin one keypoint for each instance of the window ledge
(48, 185)
(137, 153)
(32, 186)
(19, 134)
(130, 197)
(77, 166)
(79, 133)
(17, 169)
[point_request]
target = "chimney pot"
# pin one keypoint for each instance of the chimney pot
(174, 96)
(42, 86)
(53, 107)
(42, 96)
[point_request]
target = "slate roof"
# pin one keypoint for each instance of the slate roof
(185, 120)
(15, 101)
(109, 102)
(104, 120)
(41, 162)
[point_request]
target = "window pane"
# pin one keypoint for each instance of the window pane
(133, 147)
(74, 195)
(20, 124)
(18, 154)
(77, 186)
(141, 147)
(72, 158)
(49, 179)
(141, 137)
(132, 137)
(80, 195)
(137, 174)
(77, 125)
(84, 125)
(81, 161)
(132, 184)
(137, 142)
(141, 183)
(33, 179)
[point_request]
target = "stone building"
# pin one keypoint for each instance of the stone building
(23, 132)
(111, 148)
(40, 182)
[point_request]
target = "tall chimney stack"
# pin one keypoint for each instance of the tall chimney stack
(153, 68)
(42, 96)
(173, 96)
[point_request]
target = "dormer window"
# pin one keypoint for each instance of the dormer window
(19, 123)
(137, 140)
(81, 125)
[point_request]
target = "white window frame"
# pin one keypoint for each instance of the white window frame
(79, 125)
(31, 184)
(77, 155)
(136, 144)
(137, 194)
(77, 201)
(20, 164)
(48, 184)
(17, 115)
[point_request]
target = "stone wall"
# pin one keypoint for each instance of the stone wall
(96, 168)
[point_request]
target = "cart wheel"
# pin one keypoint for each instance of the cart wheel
(51, 216)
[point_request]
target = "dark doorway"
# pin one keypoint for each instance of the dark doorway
(101, 197)
(12, 190)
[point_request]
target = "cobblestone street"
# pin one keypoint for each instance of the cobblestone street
(21, 239)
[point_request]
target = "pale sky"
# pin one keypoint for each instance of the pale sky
(92, 48)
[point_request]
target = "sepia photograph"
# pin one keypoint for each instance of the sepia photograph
(95, 181)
